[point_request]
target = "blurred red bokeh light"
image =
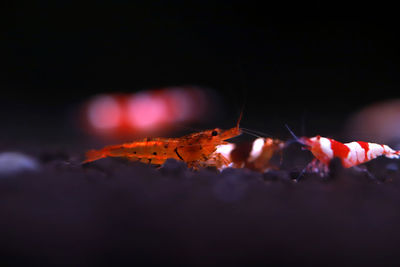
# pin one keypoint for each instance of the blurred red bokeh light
(147, 112)
(104, 112)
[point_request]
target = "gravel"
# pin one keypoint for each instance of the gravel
(113, 211)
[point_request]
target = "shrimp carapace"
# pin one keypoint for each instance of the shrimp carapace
(193, 148)
(200, 146)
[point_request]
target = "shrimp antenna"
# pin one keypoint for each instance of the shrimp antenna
(255, 133)
(240, 118)
(293, 134)
(250, 133)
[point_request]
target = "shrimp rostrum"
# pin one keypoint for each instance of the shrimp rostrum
(194, 149)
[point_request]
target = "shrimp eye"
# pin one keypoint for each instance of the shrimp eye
(214, 133)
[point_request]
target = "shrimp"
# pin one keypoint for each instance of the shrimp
(255, 156)
(350, 154)
(263, 150)
(194, 149)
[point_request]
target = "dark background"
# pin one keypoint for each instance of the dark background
(311, 70)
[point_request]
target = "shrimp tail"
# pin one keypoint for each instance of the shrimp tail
(394, 155)
(93, 155)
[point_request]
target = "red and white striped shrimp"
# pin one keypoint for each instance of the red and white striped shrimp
(255, 156)
(351, 154)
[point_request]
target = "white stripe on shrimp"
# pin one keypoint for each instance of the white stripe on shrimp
(326, 147)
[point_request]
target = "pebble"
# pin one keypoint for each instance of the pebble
(16, 162)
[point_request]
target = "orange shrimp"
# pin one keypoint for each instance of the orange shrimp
(194, 149)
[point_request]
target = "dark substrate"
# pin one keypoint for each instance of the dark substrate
(113, 211)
